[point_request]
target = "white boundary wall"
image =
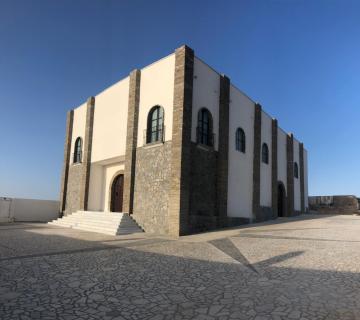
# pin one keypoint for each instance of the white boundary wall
(15, 209)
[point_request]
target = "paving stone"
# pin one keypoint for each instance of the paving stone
(293, 268)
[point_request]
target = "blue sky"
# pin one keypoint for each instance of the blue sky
(299, 59)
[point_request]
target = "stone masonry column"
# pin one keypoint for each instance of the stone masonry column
(290, 174)
(85, 178)
(181, 142)
(131, 140)
(274, 167)
(223, 149)
(67, 153)
(302, 181)
(256, 163)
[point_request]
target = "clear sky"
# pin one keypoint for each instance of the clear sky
(299, 59)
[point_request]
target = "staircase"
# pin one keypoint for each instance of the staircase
(112, 223)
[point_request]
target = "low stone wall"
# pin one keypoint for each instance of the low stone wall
(334, 204)
(27, 210)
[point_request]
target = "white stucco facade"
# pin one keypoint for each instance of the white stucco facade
(157, 88)
(108, 141)
(78, 126)
(110, 124)
(101, 177)
(240, 177)
(205, 95)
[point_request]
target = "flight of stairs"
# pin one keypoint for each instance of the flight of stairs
(112, 223)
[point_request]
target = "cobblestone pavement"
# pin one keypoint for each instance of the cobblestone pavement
(294, 268)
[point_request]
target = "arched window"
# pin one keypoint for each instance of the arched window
(296, 170)
(77, 150)
(155, 125)
(240, 141)
(265, 153)
(204, 134)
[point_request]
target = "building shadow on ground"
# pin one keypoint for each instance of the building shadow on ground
(58, 277)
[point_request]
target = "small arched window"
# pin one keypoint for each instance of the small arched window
(240, 141)
(265, 153)
(296, 170)
(77, 150)
(155, 125)
(204, 130)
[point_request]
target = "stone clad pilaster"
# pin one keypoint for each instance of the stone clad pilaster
(131, 140)
(85, 181)
(66, 162)
(256, 162)
(181, 142)
(302, 181)
(274, 167)
(290, 174)
(223, 149)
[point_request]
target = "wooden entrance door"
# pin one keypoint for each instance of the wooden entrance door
(117, 190)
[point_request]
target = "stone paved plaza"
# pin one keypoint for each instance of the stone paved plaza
(294, 268)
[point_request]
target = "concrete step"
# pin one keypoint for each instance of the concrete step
(97, 216)
(123, 222)
(93, 224)
(94, 228)
(101, 222)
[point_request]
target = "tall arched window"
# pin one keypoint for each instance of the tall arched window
(204, 133)
(265, 153)
(296, 170)
(155, 125)
(240, 141)
(77, 150)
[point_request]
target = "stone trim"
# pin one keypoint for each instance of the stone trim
(66, 162)
(131, 141)
(85, 181)
(302, 181)
(223, 149)
(290, 174)
(274, 167)
(256, 162)
(181, 142)
(153, 145)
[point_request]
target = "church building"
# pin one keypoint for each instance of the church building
(181, 150)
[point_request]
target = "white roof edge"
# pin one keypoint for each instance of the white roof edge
(101, 92)
(242, 92)
(163, 58)
(113, 85)
(202, 61)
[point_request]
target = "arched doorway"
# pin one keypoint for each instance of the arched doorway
(281, 200)
(117, 190)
